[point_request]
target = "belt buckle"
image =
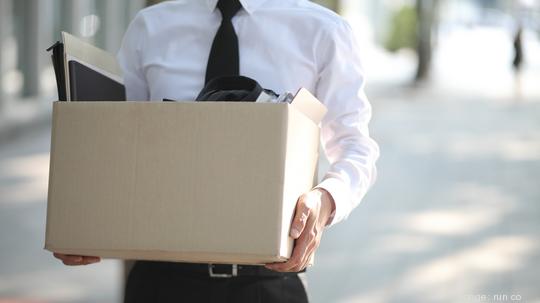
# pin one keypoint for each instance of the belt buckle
(212, 274)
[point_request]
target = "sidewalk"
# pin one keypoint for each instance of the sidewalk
(27, 271)
(454, 213)
(20, 115)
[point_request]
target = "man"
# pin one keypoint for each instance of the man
(172, 49)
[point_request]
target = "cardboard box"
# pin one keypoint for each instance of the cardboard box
(209, 182)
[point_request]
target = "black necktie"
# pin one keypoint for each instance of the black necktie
(224, 59)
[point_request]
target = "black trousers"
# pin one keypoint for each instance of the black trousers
(166, 282)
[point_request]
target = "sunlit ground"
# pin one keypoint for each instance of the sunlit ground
(27, 272)
(453, 216)
(454, 213)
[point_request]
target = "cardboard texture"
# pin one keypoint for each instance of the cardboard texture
(213, 182)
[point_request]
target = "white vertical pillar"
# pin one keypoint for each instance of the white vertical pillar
(45, 31)
(112, 15)
(35, 36)
(28, 46)
(133, 7)
(46, 38)
(67, 15)
(5, 29)
(74, 11)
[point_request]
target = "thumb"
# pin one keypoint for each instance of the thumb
(300, 217)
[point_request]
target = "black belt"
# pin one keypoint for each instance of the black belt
(214, 270)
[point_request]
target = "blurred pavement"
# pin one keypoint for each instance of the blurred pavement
(454, 213)
(27, 271)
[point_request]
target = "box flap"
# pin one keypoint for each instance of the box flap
(307, 104)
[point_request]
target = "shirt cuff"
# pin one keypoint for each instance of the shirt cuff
(340, 192)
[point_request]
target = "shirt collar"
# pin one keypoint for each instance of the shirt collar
(248, 5)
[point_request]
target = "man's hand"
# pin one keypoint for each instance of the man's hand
(72, 260)
(313, 210)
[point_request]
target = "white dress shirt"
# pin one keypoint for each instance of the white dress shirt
(284, 45)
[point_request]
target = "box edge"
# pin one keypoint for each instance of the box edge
(50, 186)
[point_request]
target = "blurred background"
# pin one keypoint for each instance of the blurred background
(455, 214)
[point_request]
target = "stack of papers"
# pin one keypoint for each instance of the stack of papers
(85, 72)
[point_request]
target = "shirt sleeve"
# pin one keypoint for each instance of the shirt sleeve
(130, 60)
(345, 137)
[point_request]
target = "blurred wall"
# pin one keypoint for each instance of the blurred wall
(28, 27)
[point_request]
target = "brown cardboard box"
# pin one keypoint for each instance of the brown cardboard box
(197, 182)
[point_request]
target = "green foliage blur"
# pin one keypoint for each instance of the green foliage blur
(403, 27)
